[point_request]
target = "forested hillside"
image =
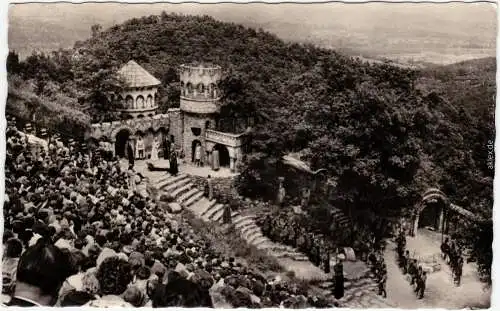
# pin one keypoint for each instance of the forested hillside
(384, 133)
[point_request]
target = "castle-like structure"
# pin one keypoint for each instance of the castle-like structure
(192, 127)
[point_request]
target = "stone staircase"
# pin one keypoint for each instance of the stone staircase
(359, 293)
(184, 192)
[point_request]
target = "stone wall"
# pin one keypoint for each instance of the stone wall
(176, 126)
(110, 129)
(194, 121)
(224, 191)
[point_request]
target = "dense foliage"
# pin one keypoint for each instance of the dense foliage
(384, 133)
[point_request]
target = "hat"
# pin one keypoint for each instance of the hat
(134, 296)
(63, 244)
(105, 253)
(109, 301)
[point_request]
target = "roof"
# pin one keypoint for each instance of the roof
(136, 76)
(465, 213)
(300, 165)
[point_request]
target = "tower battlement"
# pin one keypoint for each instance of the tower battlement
(200, 82)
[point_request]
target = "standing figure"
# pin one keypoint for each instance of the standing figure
(154, 149)
(418, 280)
(174, 169)
(166, 149)
(422, 280)
(130, 154)
(140, 148)
(382, 280)
(172, 148)
(131, 179)
(326, 263)
(215, 160)
(339, 279)
(226, 216)
(281, 192)
(458, 270)
(445, 248)
(210, 188)
(197, 155)
(413, 271)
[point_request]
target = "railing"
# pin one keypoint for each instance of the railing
(227, 139)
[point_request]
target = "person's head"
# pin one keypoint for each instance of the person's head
(134, 296)
(76, 298)
(41, 271)
(14, 248)
(114, 275)
(143, 273)
(181, 293)
(7, 235)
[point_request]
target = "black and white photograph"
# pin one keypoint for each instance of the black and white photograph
(249, 155)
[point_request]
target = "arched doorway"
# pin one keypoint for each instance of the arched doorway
(224, 159)
(430, 215)
(193, 148)
(122, 137)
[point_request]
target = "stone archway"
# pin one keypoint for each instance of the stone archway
(122, 137)
(193, 149)
(430, 210)
(224, 156)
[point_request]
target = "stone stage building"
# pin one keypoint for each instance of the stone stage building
(194, 123)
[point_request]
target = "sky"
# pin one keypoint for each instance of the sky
(437, 33)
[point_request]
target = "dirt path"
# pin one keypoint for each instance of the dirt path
(440, 291)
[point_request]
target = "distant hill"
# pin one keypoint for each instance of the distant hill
(408, 33)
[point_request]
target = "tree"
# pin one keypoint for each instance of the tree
(95, 30)
(13, 65)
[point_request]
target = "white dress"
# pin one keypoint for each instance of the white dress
(154, 151)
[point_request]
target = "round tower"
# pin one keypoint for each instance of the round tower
(200, 97)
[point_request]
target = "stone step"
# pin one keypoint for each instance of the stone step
(193, 199)
(242, 218)
(248, 229)
(210, 208)
(246, 222)
(199, 206)
(292, 255)
(206, 207)
(177, 184)
(218, 215)
(158, 177)
(182, 189)
(253, 238)
(217, 209)
(251, 233)
(259, 241)
(187, 195)
(169, 180)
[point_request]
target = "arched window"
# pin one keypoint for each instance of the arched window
(149, 101)
(140, 102)
(201, 88)
(189, 88)
(183, 91)
(213, 90)
(129, 102)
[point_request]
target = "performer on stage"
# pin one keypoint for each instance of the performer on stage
(154, 150)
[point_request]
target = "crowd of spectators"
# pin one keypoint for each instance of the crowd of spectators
(75, 234)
